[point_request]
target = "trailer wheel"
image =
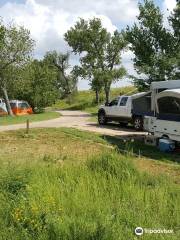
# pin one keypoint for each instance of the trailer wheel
(102, 118)
(138, 123)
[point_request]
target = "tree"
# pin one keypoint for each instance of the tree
(66, 82)
(175, 20)
(15, 51)
(37, 85)
(100, 52)
(2, 33)
(153, 46)
(94, 76)
(96, 85)
(175, 23)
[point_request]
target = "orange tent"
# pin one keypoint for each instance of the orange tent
(20, 107)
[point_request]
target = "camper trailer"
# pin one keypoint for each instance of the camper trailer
(165, 105)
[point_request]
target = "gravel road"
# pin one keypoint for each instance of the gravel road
(79, 120)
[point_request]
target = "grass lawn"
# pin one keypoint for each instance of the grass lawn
(69, 184)
(7, 120)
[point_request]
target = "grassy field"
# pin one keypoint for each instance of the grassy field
(85, 100)
(69, 184)
(7, 120)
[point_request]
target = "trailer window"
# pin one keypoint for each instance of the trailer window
(169, 105)
(123, 101)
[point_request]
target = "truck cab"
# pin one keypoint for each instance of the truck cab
(119, 108)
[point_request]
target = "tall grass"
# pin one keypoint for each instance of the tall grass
(103, 199)
(85, 100)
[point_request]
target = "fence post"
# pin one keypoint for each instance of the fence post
(27, 126)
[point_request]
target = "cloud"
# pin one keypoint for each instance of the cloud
(167, 8)
(46, 23)
(117, 10)
(48, 20)
(169, 5)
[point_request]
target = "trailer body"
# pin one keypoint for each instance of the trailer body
(165, 105)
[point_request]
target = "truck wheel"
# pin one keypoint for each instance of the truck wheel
(138, 123)
(102, 118)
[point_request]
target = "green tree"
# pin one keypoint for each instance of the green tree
(16, 49)
(66, 83)
(37, 85)
(96, 85)
(2, 34)
(175, 23)
(100, 52)
(153, 46)
(94, 77)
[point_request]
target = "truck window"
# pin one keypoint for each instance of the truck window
(123, 101)
(114, 102)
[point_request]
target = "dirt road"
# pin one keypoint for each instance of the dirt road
(79, 120)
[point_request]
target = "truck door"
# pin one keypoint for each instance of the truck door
(123, 108)
(112, 108)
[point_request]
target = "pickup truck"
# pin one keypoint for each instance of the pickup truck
(126, 109)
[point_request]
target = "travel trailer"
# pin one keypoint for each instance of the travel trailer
(165, 106)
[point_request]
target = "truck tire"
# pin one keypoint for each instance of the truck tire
(138, 123)
(102, 118)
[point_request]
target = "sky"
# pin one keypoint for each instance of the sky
(48, 20)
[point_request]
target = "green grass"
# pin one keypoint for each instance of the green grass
(139, 148)
(7, 120)
(85, 100)
(69, 184)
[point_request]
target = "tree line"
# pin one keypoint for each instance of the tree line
(155, 46)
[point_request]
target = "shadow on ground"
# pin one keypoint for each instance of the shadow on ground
(136, 146)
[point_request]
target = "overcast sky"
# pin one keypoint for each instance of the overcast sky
(48, 20)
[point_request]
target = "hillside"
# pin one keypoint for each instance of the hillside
(85, 100)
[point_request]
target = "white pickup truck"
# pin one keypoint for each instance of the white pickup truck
(126, 109)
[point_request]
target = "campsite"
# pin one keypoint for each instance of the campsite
(89, 120)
